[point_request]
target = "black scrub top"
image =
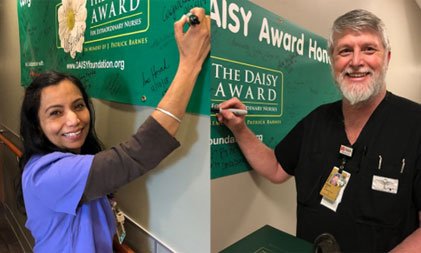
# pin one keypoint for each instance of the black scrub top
(366, 220)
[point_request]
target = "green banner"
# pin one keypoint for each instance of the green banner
(279, 70)
(122, 50)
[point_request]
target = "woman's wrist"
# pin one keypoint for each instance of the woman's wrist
(189, 69)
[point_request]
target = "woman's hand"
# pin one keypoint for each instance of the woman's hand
(194, 44)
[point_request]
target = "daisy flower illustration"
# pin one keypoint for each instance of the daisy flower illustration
(72, 25)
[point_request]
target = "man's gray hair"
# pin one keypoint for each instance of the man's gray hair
(358, 20)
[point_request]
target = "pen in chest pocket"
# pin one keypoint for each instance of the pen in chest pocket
(403, 165)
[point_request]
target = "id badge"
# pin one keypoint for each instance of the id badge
(121, 231)
(119, 217)
(333, 184)
(334, 187)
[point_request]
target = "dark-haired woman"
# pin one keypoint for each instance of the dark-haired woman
(66, 176)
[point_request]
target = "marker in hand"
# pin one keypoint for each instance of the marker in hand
(192, 19)
(238, 112)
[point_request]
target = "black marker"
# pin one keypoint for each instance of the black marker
(192, 19)
(238, 112)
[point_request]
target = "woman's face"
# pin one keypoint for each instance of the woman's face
(63, 115)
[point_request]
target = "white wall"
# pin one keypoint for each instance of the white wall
(173, 201)
(244, 202)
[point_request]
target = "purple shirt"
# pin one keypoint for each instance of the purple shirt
(53, 185)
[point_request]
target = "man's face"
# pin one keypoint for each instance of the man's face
(359, 64)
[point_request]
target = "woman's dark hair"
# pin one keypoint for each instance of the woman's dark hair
(33, 138)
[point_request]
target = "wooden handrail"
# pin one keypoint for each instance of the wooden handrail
(10, 145)
(121, 248)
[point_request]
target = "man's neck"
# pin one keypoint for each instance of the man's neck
(356, 116)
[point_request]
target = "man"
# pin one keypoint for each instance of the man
(371, 138)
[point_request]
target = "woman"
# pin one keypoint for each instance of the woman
(66, 176)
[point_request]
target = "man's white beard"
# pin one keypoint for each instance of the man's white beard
(356, 93)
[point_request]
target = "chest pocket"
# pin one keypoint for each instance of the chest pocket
(383, 190)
